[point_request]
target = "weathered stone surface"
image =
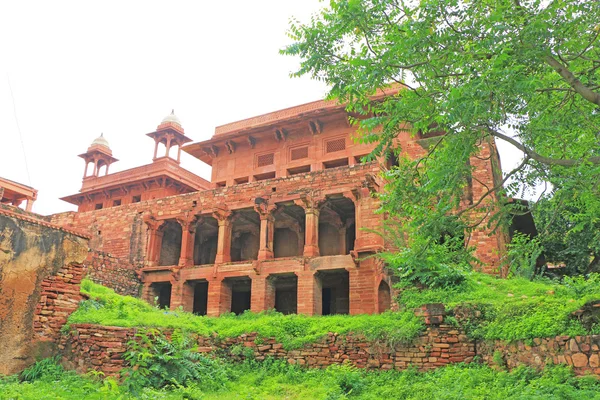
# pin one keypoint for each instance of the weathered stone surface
(40, 272)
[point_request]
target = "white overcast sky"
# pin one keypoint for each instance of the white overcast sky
(79, 68)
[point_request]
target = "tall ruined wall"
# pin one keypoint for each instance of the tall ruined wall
(32, 251)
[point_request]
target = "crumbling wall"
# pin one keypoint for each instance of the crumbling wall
(113, 272)
(31, 252)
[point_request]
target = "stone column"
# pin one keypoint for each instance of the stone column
(267, 230)
(223, 217)
(309, 294)
(311, 207)
(219, 298)
(176, 291)
(188, 234)
(311, 241)
(263, 294)
(154, 240)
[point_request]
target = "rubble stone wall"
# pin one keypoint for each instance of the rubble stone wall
(115, 273)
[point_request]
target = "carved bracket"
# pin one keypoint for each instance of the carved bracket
(230, 145)
(280, 134)
(315, 127)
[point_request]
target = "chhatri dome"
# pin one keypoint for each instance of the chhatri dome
(171, 118)
(101, 141)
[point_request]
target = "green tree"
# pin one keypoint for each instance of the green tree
(523, 71)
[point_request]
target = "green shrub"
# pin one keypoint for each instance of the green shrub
(155, 361)
(48, 369)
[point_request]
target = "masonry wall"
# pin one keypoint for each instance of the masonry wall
(40, 266)
(101, 348)
(115, 273)
(120, 231)
(580, 352)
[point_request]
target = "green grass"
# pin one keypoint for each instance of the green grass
(516, 308)
(276, 380)
(107, 308)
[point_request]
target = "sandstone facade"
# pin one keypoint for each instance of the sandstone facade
(286, 222)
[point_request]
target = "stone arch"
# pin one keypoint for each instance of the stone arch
(289, 223)
(206, 241)
(170, 247)
(245, 239)
(337, 226)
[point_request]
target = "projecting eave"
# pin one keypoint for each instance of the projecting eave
(162, 168)
(246, 129)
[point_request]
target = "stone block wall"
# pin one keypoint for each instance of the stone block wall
(115, 273)
(101, 348)
(580, 352)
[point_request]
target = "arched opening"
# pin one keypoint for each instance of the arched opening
(288, 240)
(102, 168)
(170, 248)
(89, 169)
(384, 296)
(337, 229)
(245, 239)
(206, 240)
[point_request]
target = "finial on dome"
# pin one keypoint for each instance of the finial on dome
(101, 141)
(171, 118)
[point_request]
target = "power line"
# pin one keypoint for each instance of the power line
(19, 130)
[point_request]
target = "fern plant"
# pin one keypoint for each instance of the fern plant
(48, 368)
(157, 361)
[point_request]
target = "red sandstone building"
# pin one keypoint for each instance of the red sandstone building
(14, 194)
(286, 222)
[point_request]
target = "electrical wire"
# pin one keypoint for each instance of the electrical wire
(19, 130)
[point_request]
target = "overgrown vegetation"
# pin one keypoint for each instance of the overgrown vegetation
(107, 308)
(515, 308)
(488, 307)
(275, 380)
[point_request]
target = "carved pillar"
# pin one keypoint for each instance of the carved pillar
(267, 229)
(223, 217)
(176, 290)
(311, 207)
(188, 234)
(154, 240)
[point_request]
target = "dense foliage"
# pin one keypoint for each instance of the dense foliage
(510, 309)
(107, 308)
(276, 380)
(513, 309)
(157, 361)
(523, 71)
